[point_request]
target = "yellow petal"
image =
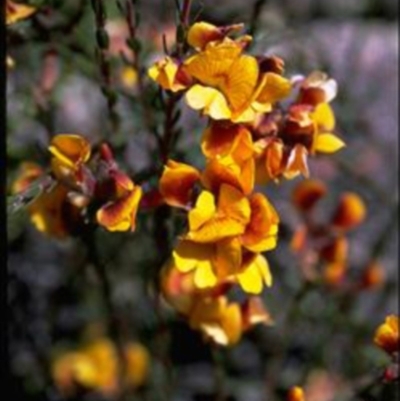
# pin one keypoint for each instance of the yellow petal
(187, 255)
(204, 276)
(203, 211)
(263, 267)
(324, 117)
(240, 83)
(328, 143)
(210, 100)
(211, 66)
(250, 279)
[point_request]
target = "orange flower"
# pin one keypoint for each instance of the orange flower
(387, 335)
(296, 394)
(169, 74)
(350, 212)
(177, 182)
(217, 319)
(119, 214)
(16, 12)
(230, 152)
(70, 152)
(230, 85)
(373, 275)
(336, 250)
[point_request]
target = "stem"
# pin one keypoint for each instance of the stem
(219, 371)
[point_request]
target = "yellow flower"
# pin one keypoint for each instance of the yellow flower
(387, 335)
(230, 85)
(16, 12)
(119, 214)
(210, 222)
(223, 261)
(96, 367)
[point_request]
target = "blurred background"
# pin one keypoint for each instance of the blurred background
(54, 296)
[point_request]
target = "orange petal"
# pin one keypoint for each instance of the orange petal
(297, 163)
(201, 33)
(254, 312)
(350, 212)
(336, 251)
(228, 258)
(69, 152)
(16, 12)
(167, 73)
(177, 182)
(273, 87)
(307, 193)
(225, 170)
(261, 232)
(222, 139)
(120, 215)
(231, 323)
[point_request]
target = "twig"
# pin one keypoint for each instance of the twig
(102, 40)
(255, 16)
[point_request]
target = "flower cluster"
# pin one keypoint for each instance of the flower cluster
(81, 188)
(325, 243)
(95, 367)
(261, 127)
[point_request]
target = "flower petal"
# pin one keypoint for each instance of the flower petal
(328, 143)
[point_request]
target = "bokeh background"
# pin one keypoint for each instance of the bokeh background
(53, 295)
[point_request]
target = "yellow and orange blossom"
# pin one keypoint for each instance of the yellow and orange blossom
(96, 367)
(387, 335)
(296, 394)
